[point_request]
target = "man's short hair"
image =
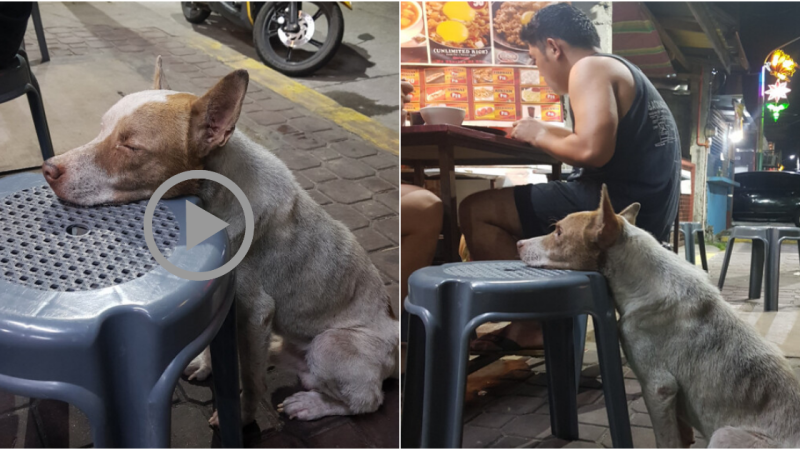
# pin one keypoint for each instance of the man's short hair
(561, 21)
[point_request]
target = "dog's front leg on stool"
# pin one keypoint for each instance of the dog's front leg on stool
(660, 393)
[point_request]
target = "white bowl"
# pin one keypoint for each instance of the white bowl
(442, 115)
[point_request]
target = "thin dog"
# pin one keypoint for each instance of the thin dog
(305, 276)
(699, 364)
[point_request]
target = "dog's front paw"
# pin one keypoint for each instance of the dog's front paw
(310, 405)
(199, 369)
(214, 420)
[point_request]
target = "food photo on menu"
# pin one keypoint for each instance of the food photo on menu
(413, 39)
(459, 32)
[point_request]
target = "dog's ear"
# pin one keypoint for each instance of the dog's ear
(631, 212)
(214, 115)
(606, 226)
(159, 80)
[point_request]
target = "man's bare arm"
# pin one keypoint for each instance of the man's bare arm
(594, 107)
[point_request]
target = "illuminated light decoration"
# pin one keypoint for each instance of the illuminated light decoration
(781, 65)
(777, 91)
(776, 110)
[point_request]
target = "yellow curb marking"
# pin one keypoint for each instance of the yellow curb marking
(727, 238)
(351, 120)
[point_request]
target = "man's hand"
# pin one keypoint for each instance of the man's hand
(528, 130)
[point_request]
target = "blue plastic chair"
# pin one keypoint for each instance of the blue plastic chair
(88, 317)
(447, 303)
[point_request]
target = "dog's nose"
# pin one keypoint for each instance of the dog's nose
(50, 171)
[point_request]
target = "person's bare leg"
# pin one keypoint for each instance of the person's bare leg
(491, 226)
(421, 223)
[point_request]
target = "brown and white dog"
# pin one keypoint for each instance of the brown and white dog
(699, 364)
(305, 275)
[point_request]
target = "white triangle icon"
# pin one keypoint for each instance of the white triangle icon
(200, 225)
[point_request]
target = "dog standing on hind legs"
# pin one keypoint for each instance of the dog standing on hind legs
(699, 364)
(305, 276)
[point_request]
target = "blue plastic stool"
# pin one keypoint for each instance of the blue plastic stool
(446, 304)
(689, 230)
(88, 317)
(766, 246)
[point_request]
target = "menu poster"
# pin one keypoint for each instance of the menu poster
(508, 18)
(499, 95)
(459, 32)
(413, 40)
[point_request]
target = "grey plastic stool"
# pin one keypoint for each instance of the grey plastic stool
(766, 247)
(446, 303)
(689, 230)
(88, 317)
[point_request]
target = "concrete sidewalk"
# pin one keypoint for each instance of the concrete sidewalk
(103, 51)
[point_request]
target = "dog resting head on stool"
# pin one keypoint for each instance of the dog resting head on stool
(305, 276)
(699, 364)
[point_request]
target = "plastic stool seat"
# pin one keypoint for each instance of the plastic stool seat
(447, 303)
(766, 247)
(689, 230)
(88, 317)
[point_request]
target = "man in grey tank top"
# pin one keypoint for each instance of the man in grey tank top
(624, 136)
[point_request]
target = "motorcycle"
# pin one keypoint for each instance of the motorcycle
(294, 38)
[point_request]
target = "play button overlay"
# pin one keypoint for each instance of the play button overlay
(200, 225)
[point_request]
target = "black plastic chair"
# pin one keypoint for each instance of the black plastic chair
(17, 80)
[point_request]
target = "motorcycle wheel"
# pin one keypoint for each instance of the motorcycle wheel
(194, 14)
(277, 55)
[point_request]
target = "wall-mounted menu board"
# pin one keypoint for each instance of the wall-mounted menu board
(497, 94)
(465, 33)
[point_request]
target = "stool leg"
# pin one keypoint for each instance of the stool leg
(561, 385)
(701, 241)
(725, 262)
(413, 394)
(40, 123)
(37, 26)
(579, 327)
(773, 271)
(225, 367)
(605, 327)
(688, 246)
(445, 378)
(756, 268)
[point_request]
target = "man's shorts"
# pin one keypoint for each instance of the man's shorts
(540, 206)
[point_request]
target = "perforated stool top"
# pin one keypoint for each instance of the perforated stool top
(502, 270)
(61, 261)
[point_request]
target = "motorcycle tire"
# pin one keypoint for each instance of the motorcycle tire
(193, 14)
(321, 57)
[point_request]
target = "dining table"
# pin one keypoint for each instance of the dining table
(448, 146)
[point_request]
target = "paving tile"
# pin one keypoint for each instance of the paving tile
(297, 160)
(593, 415)
(283, 129)
(638, 405)
(528, 426)
(190, 427)
(552, 442)
(354, 149)
(80, 430)
(332, 135)
(196, 391)
(304, 182)
(311, 124)
(510, 442)
(9, 428)
(478, 437)
(491, 420)
(319, 197)
(351, 218)
(382, 428)
(251, 108)
(382, 160)
(371, 240)
(390, 228)
(342, 436)
(376, 184)
(391, 175)
(276, 104)
(390, 199)
(582, 444)
(388, 262)
(325, 154)
(302, 141)
(515, 404)
(266, 117)
(641, 420)
(372, 209)
(319, 174)
(345, 192)
(350, 169)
